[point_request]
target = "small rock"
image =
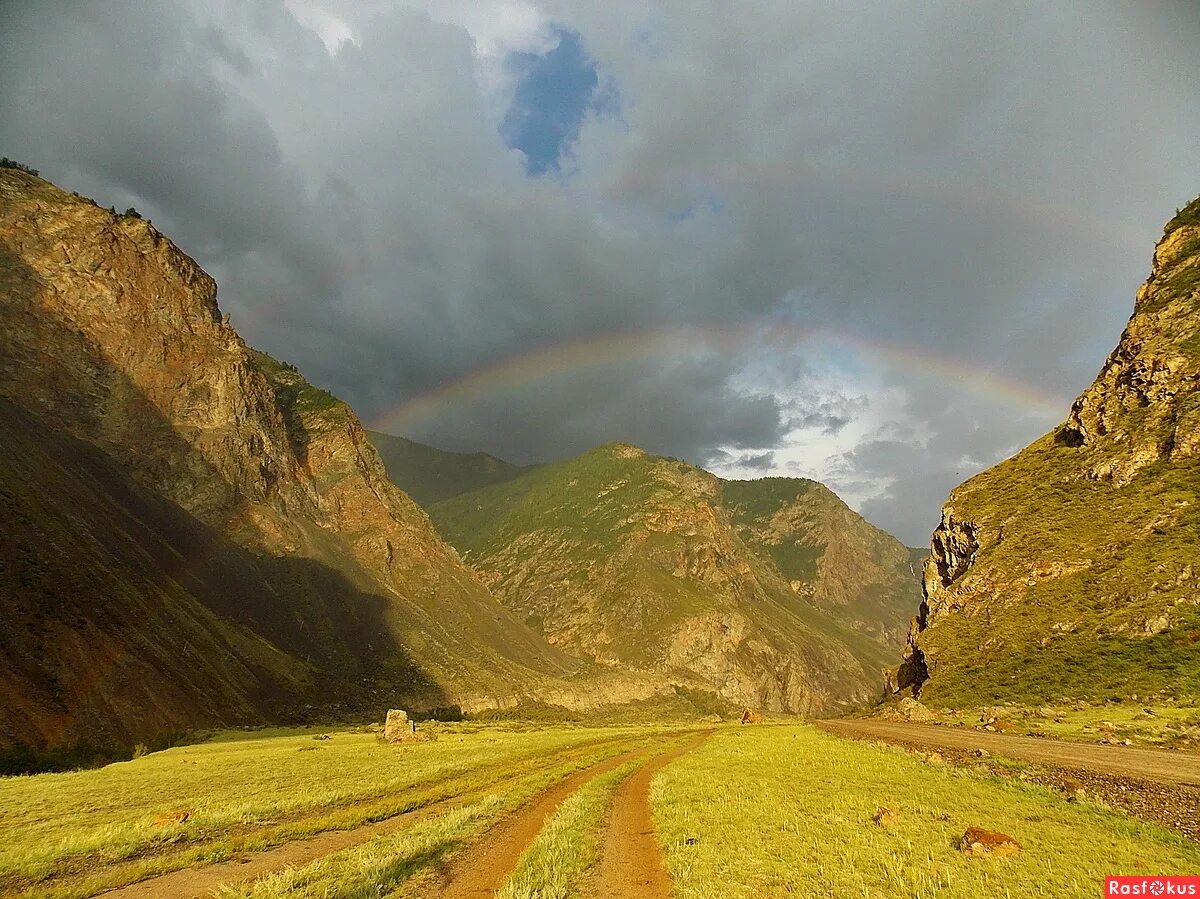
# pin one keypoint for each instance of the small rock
(987, 843)
(1073, 788)
(885, 817)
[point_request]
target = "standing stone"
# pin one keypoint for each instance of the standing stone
(398, 728)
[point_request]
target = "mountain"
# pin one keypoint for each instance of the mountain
(193, 535)
(646, 564)
(431, 475)
(1072, 569)
(828, 552)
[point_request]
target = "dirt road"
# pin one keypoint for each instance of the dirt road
(1155, 785)
(631, 861)
(481, 873)
(1155, 765)
(201, 881)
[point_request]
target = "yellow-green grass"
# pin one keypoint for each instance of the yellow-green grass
(408, 862)
(568, 844)
(1149, 724)
(783, 811)
(73, 834)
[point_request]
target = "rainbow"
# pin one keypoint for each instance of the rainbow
(549, 363)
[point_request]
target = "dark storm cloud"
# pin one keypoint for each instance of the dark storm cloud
(978, 183)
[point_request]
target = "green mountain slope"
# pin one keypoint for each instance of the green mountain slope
(1073, 568)
(318, 570)
(828, 552)
(640, 562)
(431, 475)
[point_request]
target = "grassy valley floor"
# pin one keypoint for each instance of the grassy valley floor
(538, 811)
(783, 811)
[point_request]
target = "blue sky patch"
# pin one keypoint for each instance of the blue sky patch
(554, 93)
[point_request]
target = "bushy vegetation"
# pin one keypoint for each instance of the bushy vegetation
(783, 811)
(1188, 215)
(295, 394)
(6, 163)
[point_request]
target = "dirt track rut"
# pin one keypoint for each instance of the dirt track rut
(631, 860)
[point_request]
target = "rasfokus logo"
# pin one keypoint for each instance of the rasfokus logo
(1152, 886)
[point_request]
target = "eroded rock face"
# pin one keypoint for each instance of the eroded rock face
(109, 334)
(1081, 546)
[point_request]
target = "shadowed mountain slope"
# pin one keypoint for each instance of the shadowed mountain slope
(1072, 569)
(430, 475)
(111, 338)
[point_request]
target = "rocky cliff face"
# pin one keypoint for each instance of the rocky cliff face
(651, 566)
(111, 336)
(1071, 569)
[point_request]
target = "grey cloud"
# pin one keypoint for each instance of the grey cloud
(979, 184)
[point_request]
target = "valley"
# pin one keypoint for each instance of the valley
(628, 675)
(534, 810)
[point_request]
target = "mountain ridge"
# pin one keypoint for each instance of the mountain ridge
(1070, 568)
(112, 336)
(635, 560)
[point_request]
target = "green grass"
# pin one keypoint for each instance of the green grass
(1079, 635)
(1188, 215)
(568, 845)
(1147, 723)
(782, 811)
(75, 833)
(407, 863)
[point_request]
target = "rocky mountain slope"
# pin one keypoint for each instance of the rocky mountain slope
(828, 552)
(640, 563)
(1073, 568)
(202, 500)
(430, 475)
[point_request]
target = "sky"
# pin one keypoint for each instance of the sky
(879, 244)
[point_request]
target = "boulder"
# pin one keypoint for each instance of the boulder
(992, 715)
(1073, 788)
(987, 843)
(909, 709)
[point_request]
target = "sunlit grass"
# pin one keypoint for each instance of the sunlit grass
(406, 863)
(782, 811)
(1150, 723)
(76, 833)
(569, 843)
